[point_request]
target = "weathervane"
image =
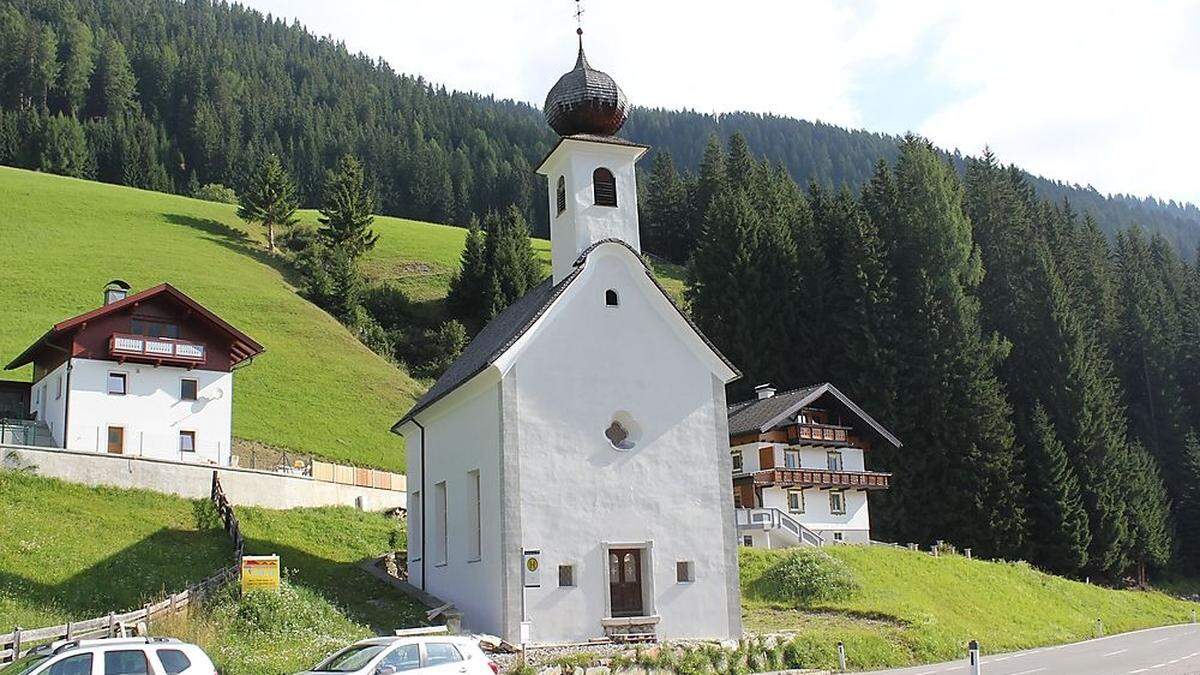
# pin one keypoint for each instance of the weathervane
(579, 19)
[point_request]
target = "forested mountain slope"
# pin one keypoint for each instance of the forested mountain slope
(169, 95)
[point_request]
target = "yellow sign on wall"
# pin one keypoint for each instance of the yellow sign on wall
(260, 573)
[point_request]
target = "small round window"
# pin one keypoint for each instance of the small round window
(623, 433)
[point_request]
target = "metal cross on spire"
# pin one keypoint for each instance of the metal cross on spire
(579, 18)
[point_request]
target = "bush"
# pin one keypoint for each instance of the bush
(806, 576)
(215, 192)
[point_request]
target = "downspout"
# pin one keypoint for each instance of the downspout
(67, 402)
(424, 517)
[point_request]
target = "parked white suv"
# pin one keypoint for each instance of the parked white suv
(114, 656)
(425, 655)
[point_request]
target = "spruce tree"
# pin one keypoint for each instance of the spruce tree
(954, 408)
(1188, 505)
(270, 199)
(468, 286)
(346, 214)
(709, 182)
(1149, 513)
(114, 86)
(665, 218)
(740, 164)
(1058, 523)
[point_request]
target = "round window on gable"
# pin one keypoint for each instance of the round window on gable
(623, 433)
(611, 299)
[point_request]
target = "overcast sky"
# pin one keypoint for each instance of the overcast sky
(1088, 92)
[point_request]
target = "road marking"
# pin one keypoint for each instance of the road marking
(1161, 640)
(1027, 672)
(1139, 670)
(1119, 651)
(1159, 665)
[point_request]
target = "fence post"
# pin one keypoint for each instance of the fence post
(146, 609)
(68, 630)
(1193, 616)
(112, 624)
(973, 658)
(967, 552)
(841, 657)
(16, 649)
(1099, 628)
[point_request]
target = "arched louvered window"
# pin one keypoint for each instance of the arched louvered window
(605, 187)
(561, 195)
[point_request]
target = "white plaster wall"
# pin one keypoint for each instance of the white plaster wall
(151, 412)
(817, 458)
(577, 491)
(467, 439)
(48, 405)
(817, 515)
(244, 487)
(583, 223)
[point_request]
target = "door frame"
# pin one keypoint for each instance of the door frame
(646, 548)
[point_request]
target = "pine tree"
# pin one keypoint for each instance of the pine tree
(114, 86)
(270, 199)
(709, 183)
(1149, 513)
(78, 64)
(468, 286)
(665, 221)
(1058, 523)
(346, 215)
(954, 406)
(740, 164)
(1188, 505)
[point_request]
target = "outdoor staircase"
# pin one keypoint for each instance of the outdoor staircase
(775, 520)
(25, 432)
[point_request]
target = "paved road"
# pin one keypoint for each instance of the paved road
(1173, 650)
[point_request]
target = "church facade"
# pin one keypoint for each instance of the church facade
(569, 474)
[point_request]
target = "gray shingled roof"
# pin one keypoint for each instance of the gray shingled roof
(503, 331)
(760, 415)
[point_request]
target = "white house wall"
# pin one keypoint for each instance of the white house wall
(456, 445)
(671, 491)
(151, 411)
(817, 515)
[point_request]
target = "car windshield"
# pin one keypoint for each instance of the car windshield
(350, 659)
(26, 664)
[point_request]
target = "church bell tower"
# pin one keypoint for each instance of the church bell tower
(590, 171)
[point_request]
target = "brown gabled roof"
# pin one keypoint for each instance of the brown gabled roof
(247, 344)
(761, 415)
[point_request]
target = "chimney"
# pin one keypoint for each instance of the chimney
(765, 391)
(115, 290)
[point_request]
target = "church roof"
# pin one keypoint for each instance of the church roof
(586, 100)
(502, 332)
(761, 415)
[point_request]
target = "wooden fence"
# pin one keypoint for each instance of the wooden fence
(358, 476)
(16, 644)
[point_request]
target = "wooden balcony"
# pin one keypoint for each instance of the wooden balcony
(823, 478)
(160, 351)
(820, 434)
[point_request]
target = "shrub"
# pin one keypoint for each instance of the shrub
(215, 192)
(806, 576)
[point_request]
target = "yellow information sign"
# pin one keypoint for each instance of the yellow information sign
(260, 573)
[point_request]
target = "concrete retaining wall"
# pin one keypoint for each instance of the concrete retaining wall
(244, 487)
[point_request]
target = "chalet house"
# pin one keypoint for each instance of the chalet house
(799, 467)
(148, 374)
(569, 474)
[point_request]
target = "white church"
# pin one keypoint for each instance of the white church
(569, 474)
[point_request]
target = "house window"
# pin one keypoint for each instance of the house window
(837, 502)
(837, 536)
(414, 527)
(604, 187)
(611, 299)
(154, 329)
(737, 462)
(685, 571)
(795, 501)
(441, 537)
(834, 460)
(116, 384)
(737, 498)
(791, 459)
(58, 388)
(561, 195)
(187, 441)
(187, 390)
(116, 440)
(566, 576)
(475, 540)
(748, 541)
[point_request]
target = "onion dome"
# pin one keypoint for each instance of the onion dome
(586, 101)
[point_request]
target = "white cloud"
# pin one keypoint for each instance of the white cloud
(1082, 91)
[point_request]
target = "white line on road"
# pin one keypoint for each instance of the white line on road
(1119, 651)
(1027, 672)
(1161, 640)
(1139, 670)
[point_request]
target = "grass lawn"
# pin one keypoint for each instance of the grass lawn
(912, 608)
(74, 552)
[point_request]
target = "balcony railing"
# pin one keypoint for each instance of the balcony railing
(819, 433)
(164, 350)
(863, 480)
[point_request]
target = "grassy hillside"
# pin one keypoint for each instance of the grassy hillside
(154, 543)
(912, 608)
(315, 390)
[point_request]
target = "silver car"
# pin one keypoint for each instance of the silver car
(425, 655)
(114, 656)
